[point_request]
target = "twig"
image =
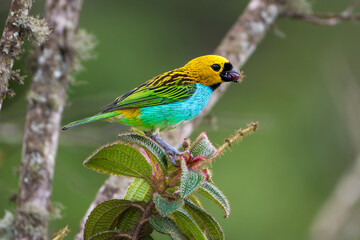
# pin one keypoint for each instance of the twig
(327, 19)
(238, 136)
(45, 104)
(350, 9)
(237, 45)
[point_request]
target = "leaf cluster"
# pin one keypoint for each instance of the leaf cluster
(161, 197)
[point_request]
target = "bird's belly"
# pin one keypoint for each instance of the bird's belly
(168, 116)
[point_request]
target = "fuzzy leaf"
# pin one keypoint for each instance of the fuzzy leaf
(147, 237)
(128, 220)
(194, 200)
(146, 230)
(115, 235)
(139, 190)
(194, 216)
(210, 191)
(166, 207)
(209, 224)
(191, 180)
(149, 145)
(105, 216)
(188, 225)
(118, 158)
(105, 235)
(167, 226)
(203, 147)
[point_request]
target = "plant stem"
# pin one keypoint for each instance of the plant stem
(238, 136)
(144, 218)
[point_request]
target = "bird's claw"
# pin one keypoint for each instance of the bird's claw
(172, 152)
(175, 155)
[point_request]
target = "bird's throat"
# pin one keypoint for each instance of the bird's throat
(215, 86)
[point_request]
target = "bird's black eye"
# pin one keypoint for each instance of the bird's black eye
(215, 67)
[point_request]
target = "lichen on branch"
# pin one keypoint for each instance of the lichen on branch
(18, 27)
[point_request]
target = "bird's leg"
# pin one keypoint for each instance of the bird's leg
(167, 147)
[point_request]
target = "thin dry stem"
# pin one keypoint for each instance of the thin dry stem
(61, 234)
(238, 136)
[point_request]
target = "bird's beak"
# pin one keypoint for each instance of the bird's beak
(230, 76)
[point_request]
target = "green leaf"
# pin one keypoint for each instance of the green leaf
(146, 230)
(188, 225)
(167, 226)
(115, 235)
(191, 180)
(203, 147)
(166, 207)
(150, 146)
(210, 191)
(118, 158)
(128, 220)
(106, 235)
(193, 199)
(209, 224)
(106, 215)
(139, 190)
(148, 237)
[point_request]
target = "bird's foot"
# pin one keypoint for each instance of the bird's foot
(173, 153)
(176, 154)
(170, 150)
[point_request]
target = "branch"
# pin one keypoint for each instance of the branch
(335, 217)
(328, 19)
(237, 46)
(339, 217)
(19, 25)
(53, 64)
(10, 45)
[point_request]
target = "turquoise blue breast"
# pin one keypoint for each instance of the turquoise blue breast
(168, 116)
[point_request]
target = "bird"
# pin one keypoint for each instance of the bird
(168, 100)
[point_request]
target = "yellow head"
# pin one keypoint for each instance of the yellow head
(209, 70)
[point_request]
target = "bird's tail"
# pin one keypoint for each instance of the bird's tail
(100, 116)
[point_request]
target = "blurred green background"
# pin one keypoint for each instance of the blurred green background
(276, 179)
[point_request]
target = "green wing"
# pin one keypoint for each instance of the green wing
(155, 92)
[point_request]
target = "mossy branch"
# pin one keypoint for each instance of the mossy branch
(52, 69)
(18, 27)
